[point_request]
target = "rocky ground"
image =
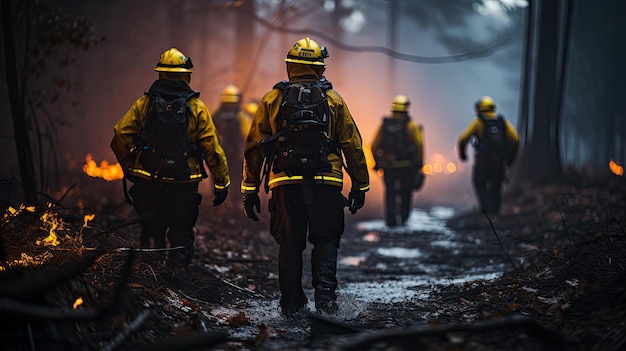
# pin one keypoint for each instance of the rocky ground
(562, 249)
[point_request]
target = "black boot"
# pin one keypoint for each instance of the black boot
(324, 270)
(292, 298)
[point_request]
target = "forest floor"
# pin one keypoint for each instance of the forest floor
(560, 250)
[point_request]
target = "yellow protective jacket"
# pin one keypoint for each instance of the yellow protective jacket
(342, 129)
(475, 129)
(200, 131)
(415, 140)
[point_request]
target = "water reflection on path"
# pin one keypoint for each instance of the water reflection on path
(384, 265)
(407, 262)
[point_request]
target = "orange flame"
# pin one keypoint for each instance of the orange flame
(78, 302)
(616, 168)
(52, 223)
(439, 165)
(105, 171)
(88, 218)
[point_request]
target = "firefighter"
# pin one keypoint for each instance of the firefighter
(496, 143)
(293, 218)
(167, 203)
(232, 125)
(398, 149)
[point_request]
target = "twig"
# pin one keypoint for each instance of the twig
(481, 326)
(569, 238)
(66, 192)
(500, 241)
(132, 327)
(241, 288)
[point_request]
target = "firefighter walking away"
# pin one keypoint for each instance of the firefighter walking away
(495, 144)
(161, 143)
(301, 132)
(398, 150)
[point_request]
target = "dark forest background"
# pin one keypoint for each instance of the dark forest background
(71, 68)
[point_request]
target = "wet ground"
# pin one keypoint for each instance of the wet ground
(380, 269)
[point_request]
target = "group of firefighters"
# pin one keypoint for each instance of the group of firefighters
(229, 143)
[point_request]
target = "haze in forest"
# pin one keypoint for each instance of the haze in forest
(448, 54)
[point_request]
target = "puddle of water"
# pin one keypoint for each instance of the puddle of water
(444, 243)
(405, 287)
(420, 220)
(399, 252)
(352, 260)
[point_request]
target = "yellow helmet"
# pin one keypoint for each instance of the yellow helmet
(485, 104)
(173, 60)
(307, 51)
(400, 104)
(231, 94)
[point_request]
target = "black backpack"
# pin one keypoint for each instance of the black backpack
(393, 144)
(301, 145)
(164, 148)
(492, 144)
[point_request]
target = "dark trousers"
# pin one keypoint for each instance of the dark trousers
(487, 179)
(292, 222)
(398, 191)
(169, 211)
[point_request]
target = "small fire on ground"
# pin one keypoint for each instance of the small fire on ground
(105, 170)
(48, 237)
(616, 168)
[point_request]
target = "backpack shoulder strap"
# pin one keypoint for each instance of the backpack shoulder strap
(282, 85)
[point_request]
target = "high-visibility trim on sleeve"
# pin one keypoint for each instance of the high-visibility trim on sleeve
(364, 188)
(221, 187)
(245, 188)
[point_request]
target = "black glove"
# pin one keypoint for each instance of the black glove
(356, 199)
(250, 201)
(219, 197)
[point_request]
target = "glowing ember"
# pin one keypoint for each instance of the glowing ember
(105, 171)
(11, 212)
(27, 260)
(78, 302)
(616, 168)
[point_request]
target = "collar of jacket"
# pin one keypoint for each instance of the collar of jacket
(171, 89)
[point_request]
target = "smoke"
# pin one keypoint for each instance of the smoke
(120, 70)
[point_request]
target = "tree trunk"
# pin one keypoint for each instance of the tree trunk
(20, 131)
(541, 161)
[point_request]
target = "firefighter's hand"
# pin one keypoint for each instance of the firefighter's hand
(219, 197)
(250, 201)
(356, 199)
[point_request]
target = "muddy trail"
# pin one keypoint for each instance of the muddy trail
(548, 273)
